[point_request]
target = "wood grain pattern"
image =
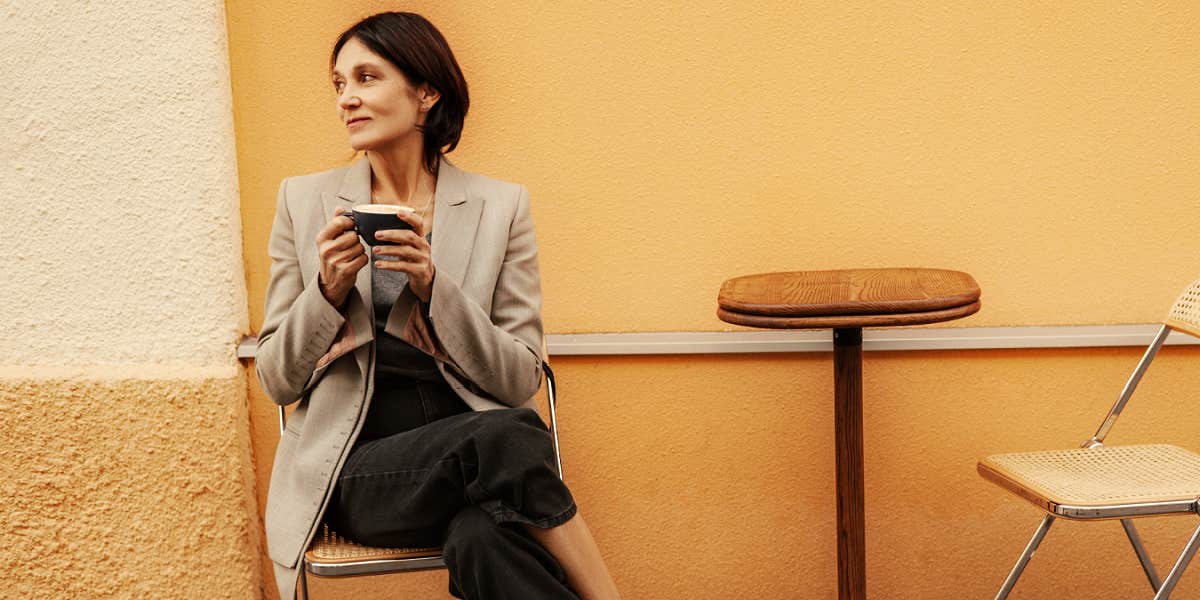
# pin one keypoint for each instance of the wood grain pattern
(848, 445)
(879, 320)
(847, 292)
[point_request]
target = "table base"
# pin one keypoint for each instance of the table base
(848, 441)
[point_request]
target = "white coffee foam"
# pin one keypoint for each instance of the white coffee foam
(383, 209)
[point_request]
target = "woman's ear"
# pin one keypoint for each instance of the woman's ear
(427, 96)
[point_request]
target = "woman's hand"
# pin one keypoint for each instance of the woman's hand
(412, 253)
(341, 255)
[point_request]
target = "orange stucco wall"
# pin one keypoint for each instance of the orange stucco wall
(120, 485)
(1049, 150)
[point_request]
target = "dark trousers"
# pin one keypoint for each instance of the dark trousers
(461, 479)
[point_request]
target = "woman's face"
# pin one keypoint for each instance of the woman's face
(375, 101)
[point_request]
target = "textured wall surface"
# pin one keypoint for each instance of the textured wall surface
(127, 488)
(1049, 149)
(126, 471)
(122, 243)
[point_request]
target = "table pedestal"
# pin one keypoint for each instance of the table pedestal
(846, 301)
(848, 441)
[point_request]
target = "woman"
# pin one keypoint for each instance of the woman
(414, 375)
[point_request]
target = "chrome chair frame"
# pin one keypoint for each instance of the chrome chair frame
(1124, 512)
(347, 568)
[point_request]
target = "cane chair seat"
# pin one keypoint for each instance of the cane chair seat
(1107, 476)
(1096, 481)
(330, 548)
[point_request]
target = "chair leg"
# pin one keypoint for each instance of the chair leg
(1143, 556)
(1030, 548)
(303, 579)
(1185, 557)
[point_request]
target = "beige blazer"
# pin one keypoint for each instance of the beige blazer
(483, 328)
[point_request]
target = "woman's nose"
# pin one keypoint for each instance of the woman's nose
(347, 100)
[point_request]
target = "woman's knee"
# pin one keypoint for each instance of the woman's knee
(522, 416)
(516, 425)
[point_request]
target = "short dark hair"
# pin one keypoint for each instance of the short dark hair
(411, 43)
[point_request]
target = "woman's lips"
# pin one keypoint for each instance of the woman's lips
(357, 123)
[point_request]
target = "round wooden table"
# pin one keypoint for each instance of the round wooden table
(847, 301)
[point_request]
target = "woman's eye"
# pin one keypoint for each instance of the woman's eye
(365, 76)
(337, 86)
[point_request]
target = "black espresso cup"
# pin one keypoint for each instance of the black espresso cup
(370, 218)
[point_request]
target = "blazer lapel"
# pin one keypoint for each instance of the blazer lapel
(455, 222)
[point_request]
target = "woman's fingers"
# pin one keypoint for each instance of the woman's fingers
(346, 240)
(348, 269)
(340, 223)
(405, 253)
(398, 265)
(358, 262)
(335, 225)
(400, 236)
(347, 254)
(414, 220)
(338, 240)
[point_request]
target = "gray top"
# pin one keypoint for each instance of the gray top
(393, 356)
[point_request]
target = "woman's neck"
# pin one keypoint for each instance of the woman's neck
(398, 175)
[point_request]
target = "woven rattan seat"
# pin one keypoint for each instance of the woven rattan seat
(1103, 476)
(1096, 481)
(329, 547)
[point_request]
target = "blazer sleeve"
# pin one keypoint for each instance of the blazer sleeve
(500, 352)
(299, 325)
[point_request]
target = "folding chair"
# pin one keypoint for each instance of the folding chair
(1111, 482)
(331, 555)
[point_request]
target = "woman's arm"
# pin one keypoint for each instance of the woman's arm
(299, 324)
(497, 352)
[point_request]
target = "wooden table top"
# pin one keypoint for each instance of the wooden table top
(848, 298)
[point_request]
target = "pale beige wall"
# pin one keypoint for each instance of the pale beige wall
(1047, 148)
(126, 468)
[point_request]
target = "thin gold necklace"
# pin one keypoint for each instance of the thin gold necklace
(428, 203)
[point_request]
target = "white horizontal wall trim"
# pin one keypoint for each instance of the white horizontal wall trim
(753, 342)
